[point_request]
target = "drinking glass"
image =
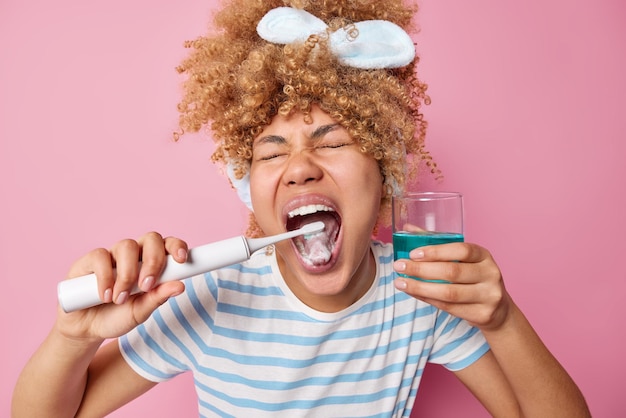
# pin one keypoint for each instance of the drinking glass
(425, 218)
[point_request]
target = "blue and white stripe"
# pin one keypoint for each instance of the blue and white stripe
(256, 350)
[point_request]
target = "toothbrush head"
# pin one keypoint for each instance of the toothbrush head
(309, 229)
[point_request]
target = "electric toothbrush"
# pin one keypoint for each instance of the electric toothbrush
(82, 292)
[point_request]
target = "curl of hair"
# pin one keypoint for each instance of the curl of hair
(237, 82)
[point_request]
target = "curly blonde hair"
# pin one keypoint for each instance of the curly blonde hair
(237, 82)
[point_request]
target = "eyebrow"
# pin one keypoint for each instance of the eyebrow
(317, 134)
(320, 131)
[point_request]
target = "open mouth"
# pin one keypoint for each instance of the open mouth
(315, 249)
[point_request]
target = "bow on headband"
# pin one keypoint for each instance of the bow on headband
(379, 44)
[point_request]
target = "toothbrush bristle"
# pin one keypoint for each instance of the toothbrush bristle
(312, 228)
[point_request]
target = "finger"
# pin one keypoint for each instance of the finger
(153, 259)
(457, 251)
(446, 271)
(412, 228)
(477, 304)
(100, 263)
(144, 304)
(440, 294)
(126, 254)
(177, 248)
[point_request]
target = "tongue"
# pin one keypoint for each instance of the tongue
(317, 249)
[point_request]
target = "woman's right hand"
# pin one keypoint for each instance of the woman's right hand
(118, 271)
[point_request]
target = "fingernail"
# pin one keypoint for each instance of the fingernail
(182, 254)
(400, 284)
(147, 283)
(121, 298)
(417, 254)
(108, 296)
(399, 265)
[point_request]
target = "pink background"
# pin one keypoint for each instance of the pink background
(527, 121)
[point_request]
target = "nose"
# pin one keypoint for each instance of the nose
(301, 169)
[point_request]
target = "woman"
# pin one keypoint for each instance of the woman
(316, 114)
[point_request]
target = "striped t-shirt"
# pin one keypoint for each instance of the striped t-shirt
(256, 350)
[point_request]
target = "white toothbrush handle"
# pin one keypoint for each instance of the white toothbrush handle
(82, 292)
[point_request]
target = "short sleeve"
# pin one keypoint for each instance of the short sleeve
(457, 344)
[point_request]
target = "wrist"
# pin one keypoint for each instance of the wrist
(66, 335)
(504, 318)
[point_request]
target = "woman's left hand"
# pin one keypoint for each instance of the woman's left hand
(475, 290)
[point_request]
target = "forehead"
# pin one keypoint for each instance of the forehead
(316, 125)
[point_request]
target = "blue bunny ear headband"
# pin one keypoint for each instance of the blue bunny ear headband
(378, 44)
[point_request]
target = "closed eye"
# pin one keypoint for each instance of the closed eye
(269, 157)
(336, 145)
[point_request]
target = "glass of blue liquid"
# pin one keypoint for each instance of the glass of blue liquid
(425, 218)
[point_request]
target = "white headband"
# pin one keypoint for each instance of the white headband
(379, 44)
(242, 185)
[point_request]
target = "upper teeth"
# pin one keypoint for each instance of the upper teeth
(309, 209)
